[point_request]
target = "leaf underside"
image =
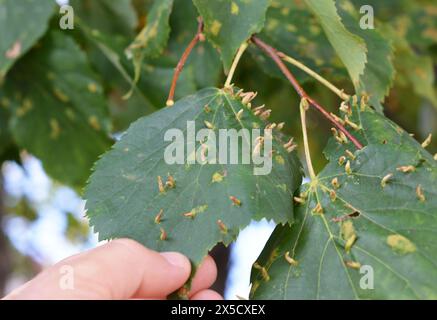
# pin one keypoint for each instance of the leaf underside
(124, 196)
(395, 228)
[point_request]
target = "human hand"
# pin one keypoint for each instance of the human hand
(121, 269)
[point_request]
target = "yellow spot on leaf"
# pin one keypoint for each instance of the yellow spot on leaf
(431, 10)
(27, 104)
(421, 73)
(25, 108)
(55, 129)
(279, 159)
(195, 211)
(291, 27)
(5, 102)
(430, 33)
(199, 209)
(272, 24)
(92, 87)
(94, 122)
(302, 40)
(60, 95)
(315, 29)
(215, 27)
(400, 244)
(217, 177)
(285, 11)
(275, 4)
(234, 8)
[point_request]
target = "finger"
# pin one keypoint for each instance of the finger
(120, 269)
(207, 295)
(205, 276)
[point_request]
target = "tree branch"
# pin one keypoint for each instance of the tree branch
(198, 37)
(275, 57)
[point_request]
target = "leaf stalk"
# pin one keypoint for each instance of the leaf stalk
(237, 58)
(198, 37)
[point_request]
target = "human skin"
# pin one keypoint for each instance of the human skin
(121, 269)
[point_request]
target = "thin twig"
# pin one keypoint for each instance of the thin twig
(237, 58)
(303, 108)
(274, 55)
(315, 75)
(198, 37)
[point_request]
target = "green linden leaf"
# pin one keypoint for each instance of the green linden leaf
(228, 23)
(195, 206)
(379, 72)
(152, 39)
(421, 76)
(350, 48)
(19, 31)
(109, 16)
(106, 54)
(58, 113)
(386, 10)
(204, 59)
(423, 29)
(292, 29)
(413, 69)
(365, 230)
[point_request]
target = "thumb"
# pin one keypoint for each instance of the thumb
(120, 269)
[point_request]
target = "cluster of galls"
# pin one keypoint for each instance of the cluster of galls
(262, 113)
(170, 184)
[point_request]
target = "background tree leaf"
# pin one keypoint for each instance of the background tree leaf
(413, 69)
(59, 114)
(350, 48)
(22, 23)
(228, 23)
(152, 39)
(106, 53)
(123, 197)
(108, 16)
(292, 28)
(360, 219)
(378, 76)
(204, 60)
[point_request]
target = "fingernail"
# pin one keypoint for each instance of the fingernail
(177, 259)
